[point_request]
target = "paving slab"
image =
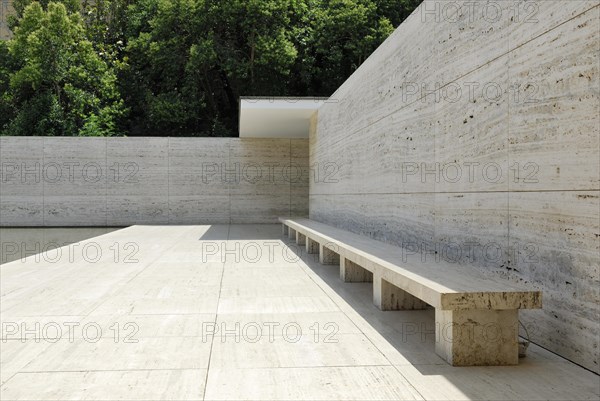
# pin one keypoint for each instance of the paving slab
(111, 385)
(220, 327)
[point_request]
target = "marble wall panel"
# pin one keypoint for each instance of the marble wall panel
(525, 207)
(553, 119)
(127, 181)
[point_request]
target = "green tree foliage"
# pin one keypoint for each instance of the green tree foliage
(7, 111)
(396, 11)
(180, 66)
(194, 59)
(343, 33)
(19, 6)
(60, 86)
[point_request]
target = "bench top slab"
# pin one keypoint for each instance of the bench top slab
(440, 283)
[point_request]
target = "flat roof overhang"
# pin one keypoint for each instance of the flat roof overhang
(277, 117)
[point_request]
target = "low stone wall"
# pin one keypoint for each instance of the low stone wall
(77, 181)
(472, 134)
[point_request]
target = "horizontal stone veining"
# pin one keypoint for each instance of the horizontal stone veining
(64, 181)
(541, 135)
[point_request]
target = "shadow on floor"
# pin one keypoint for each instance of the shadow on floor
(242, 232)
(407, 338)
(411, 333)
(21, 242)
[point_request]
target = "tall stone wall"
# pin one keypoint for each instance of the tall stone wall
(76, 181)
(472, 134)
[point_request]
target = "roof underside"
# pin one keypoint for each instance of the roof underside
(277, 117)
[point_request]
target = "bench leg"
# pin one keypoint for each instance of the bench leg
(327, 256)
(291, 233)
(351, 272)
(387, 296)
(478, 337)
(284, 230)
(300, 238)
(311, 246)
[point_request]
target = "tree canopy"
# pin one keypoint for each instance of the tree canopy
(176, 67)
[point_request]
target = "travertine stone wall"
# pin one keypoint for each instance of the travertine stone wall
(75, 181)
(472, 134)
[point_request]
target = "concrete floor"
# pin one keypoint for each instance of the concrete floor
(229, 313)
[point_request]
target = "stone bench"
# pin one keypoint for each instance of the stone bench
(476, 318)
